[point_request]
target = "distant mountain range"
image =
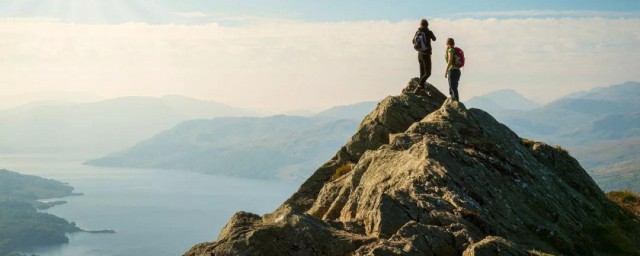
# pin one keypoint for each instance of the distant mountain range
(501, 101)
(601, 127)
(99, 127)
(270, 147)
(46, 97)
(582, 118)
(590, 123)
(578, 119)
(353, 111)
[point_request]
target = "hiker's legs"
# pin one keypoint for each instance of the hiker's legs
(454, 79)
(425, 67)
(421, 66)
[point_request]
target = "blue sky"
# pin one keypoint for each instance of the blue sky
(165, 11)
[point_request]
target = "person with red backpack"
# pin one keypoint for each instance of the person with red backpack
(422, 44)
(455, 60)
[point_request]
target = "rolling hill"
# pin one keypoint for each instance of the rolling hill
(99, 127)
(268, 147)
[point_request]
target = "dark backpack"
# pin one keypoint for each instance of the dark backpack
(420, 42)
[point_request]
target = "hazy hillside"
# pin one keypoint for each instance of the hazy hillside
(37, 97)
(17, 186)
(487, 105)
(604, 153)
(277, 146)
(582, 118)
(615, 165)
(502, 100)
(608, 127)
(99, 127)
(353, 111)
(627, 92)
(270, 147)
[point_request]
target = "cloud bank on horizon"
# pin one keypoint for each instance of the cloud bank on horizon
(280, 64)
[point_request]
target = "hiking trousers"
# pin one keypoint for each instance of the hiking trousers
(425, 67)
(454, 78)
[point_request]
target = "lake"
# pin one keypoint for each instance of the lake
(155, 212)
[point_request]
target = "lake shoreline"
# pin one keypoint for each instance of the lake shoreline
(47, 203)
(100, 231)
(152, 211)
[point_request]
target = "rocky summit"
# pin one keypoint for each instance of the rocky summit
(424, 175)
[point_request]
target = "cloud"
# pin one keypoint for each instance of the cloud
(284, 65)
(551, 13)
(190, 14)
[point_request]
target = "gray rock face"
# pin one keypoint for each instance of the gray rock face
(431, 177)
(392, 115)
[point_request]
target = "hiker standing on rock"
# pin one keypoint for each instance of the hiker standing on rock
(422, 43)
(455, 60)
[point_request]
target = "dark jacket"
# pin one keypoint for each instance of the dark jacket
(430, 37)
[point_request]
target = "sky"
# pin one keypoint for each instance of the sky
(284, 55)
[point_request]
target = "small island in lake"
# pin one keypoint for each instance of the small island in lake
(22, 226)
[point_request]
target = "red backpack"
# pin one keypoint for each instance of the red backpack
(459, 57)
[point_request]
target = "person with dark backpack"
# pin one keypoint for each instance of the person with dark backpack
(455, 60)
(422, 43)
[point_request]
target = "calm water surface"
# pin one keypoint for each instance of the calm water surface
(155, 212)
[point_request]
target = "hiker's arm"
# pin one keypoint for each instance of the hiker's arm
(433, 36)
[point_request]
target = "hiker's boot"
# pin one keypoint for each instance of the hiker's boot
(417, 89)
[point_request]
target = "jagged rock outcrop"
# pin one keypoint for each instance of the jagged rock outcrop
(425, 176)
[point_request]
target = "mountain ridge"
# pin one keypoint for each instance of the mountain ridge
(502, 100)
(560, 121)
(612, 92)
(278, 146)
(357, 110)
(425, 176)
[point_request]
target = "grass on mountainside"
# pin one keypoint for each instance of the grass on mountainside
(341, 171)
(527, 142)
(538, 253)
(561, 149)
(614, 236)
(628, 200)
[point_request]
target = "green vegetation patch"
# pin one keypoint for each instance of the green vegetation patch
(612, 238)
(617, 236)
(21, 225)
